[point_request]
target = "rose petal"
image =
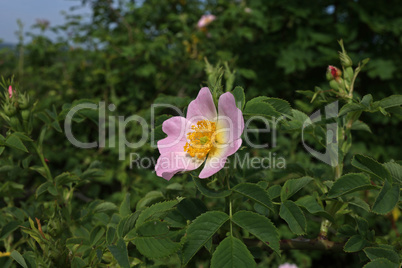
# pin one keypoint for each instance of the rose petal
(176, 128)
(169, 164)
(230, 123)
(202, 108)
(217, 160)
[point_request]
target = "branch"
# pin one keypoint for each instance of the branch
(301, 244)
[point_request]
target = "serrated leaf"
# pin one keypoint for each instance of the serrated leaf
(200, 231)
(293, 186)
(355, 243)
(18, 258)
(380, 263)
(156, 208)
(260, 108)
(127, 224)
(377, 253)
(239, 96)
(349, 183)
(125, 209)
(232, 253)
(387, 198)
(14, 141)
(260, 226)
(42, 188)
(120, 253)
(105, 207)
(110, 235)
(191, 208)
(153, 228)
(351, 107)
(274, 191)
(310, 203)
(395, 169)
(96, 234)
(370, 166)
(391, 101)
(152, 247)
(208, 192)
(280, 105)
(294, 216)
(255, 193)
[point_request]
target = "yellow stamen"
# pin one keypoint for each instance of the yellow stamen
(201, 140)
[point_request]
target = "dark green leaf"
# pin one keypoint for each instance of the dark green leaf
(386, 199)
(293, 186)
(260, 226)
(200, 231)
(255, 193)
(119, 252)
(294, 216)
(355, 243)
(370, 166)
(18, 258)
(349, 183)
(232, 253)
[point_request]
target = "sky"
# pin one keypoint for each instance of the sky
(28, 11)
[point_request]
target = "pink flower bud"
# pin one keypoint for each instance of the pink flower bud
(10, 92)
(205, 20)
(333, 73)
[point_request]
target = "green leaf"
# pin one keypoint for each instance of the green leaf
(232, 253)
(355, 243)
(156, 247)
(391, 101)
(154, 209)
(42, 188)
(310, 203)
(8, 228)
(96, 235)
(374, 253)
(153, 228)
(208, 192)
(386, 199)
(125, 209)
(274, 191)
(349, 183)
(293, 186)
(200, 231)
(105, 207)
(110, 235)
(260, 226)
(14, 141)
(381, 263)
(127, 224)
(294, 216)
(280, 105)
(239, 96)
(260, 108)
(255, 193)
(77, 262)
(119, 252)
(18, 258)
(351, 107)
(191, 208)
(395, 169)
(370, 166)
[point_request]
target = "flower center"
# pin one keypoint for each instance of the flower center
(201, 140)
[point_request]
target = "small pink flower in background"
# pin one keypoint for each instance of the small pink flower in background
(287, 265)
(10, 92)
(203, 136)
(205, 20)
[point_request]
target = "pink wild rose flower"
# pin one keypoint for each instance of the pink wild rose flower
(205, 20)
(205, 135)
(287, 265)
